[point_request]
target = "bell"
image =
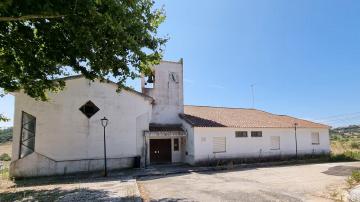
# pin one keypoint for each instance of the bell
(150, 79)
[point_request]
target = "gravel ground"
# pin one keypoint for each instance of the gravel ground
(315, 182)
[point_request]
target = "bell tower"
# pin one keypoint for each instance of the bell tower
(166, 87)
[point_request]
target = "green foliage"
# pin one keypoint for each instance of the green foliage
(44, 40)
(3, 118)
(6, 135)
(354, 178)
(5, 157)
(4, 173)
(346, 156)
(355, 145)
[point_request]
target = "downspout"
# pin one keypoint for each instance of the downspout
(296, 144)
(145, 146)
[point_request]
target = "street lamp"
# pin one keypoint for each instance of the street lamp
(295, 125)
(104, 123)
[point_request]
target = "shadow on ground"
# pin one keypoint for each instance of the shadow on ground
(171, 200)
(70, 179)
(340, 170)
(78, 195)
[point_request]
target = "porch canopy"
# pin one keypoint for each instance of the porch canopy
(165, 130)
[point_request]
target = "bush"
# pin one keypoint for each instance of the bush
(5, 135)
(346, 156)
(5, 157)
(355, 145)
(354, 178)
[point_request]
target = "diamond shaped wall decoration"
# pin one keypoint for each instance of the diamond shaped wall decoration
(89, 109)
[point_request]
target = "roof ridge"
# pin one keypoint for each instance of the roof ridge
(219, 107)
(222, 107)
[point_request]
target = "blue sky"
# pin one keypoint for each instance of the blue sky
(301, 56)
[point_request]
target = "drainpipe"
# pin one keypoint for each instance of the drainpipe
(145, 146)
(296, 145)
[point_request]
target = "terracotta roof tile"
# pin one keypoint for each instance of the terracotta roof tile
(165, 127)
(203, 116)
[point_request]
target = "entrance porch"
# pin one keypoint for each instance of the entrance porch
(164, 144)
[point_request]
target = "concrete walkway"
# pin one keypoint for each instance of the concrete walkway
(75, 190)
(312, 182)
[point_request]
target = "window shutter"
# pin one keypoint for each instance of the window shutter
(315, 139)
(219, 144)
(275, 142)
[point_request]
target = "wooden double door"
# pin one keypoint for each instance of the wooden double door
(160, 151)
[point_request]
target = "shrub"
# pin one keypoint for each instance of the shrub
(355, 145)
(354, 178)
(5, 157)
(4, 173)
(346, 156)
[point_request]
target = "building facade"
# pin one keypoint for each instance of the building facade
(65, 135)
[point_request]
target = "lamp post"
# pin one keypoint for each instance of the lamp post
(104, 123)
(296, 146)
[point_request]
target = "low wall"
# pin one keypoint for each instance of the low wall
(36, 165)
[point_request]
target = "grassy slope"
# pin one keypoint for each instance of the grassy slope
(345, 139)
(6, 135)
(5, 141)
(5, 148)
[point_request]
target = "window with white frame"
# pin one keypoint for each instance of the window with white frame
(275, 142)
(219, 144)
(241, 133)
(315, 138)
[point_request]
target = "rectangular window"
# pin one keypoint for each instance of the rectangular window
(275, 142)
(219, 144)
(315, 139)
(241, 134)
(256, 133)
(27, 135)
(176, 144)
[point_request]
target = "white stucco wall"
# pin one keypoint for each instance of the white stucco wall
(255, 146)
(64, 133)
(168, 94)
(189, 149)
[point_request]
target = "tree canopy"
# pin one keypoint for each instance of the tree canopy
(41, 40)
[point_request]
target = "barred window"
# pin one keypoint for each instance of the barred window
(27, 135)
(176, 144)
(256, 133)
(241, 133)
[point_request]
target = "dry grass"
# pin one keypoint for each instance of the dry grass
(341, 144)
(5, 148)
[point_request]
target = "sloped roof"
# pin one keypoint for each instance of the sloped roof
(205, 116)
(165, 127)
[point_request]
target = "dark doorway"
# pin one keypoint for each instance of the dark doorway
(160, 151)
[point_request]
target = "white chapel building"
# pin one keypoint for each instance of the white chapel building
(65, 135)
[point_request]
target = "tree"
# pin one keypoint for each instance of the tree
(41, 40)
(3, 118)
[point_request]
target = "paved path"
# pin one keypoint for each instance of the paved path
(314, 182)
(101, 189)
